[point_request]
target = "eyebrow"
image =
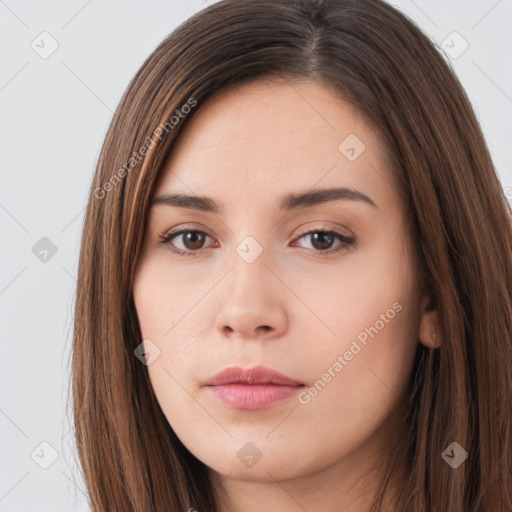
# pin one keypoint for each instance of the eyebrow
(289, 202)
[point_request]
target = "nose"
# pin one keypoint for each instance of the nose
(253, 301)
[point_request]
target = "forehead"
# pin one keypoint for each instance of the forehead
(268, 138)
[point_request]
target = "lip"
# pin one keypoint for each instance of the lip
(252, 388)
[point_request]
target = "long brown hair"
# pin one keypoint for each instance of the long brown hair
(375, 58)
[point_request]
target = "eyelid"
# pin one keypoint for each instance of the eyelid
(186, 227)
(309, 229)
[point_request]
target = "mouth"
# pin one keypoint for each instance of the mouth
(253, 388)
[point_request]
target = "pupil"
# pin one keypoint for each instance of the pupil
(325, 237)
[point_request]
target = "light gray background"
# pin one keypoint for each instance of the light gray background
(54, 115)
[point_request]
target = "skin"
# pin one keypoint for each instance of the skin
(246, 148)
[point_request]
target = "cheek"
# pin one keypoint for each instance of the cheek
(163, 297)
(362, 366)
(356, 381)
(171, 319)
(370, 356)
(348, 298)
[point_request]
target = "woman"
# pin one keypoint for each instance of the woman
(295, 278)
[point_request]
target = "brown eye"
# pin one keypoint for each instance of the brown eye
(193, 239)
(188, 241)
(322, 240)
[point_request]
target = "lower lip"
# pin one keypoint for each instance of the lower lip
(256, 396)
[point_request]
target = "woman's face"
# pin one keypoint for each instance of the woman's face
(279, 273)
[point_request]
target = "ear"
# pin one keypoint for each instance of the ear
(429, 332)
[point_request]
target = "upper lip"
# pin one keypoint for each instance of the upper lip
(251, 376)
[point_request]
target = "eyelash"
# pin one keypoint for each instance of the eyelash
(346, 242)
